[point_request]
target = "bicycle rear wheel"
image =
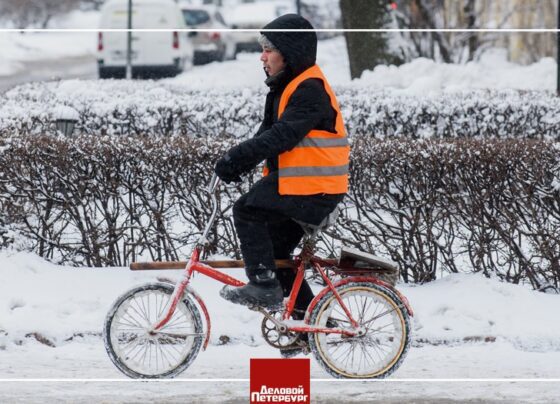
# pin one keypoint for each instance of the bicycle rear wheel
(385, 325)
(140, 354)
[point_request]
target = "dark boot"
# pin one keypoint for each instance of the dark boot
(263, 290)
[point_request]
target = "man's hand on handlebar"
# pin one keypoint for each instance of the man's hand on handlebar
(227, 171)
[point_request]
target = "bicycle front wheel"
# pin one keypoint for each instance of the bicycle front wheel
(139, 353)
(385, 336)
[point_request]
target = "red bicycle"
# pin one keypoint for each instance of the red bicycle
(357, 326)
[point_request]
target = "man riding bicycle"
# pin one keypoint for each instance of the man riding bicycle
(303, 140)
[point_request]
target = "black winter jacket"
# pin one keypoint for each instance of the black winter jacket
(309, 108)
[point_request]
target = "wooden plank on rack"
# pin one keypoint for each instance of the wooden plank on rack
(144, 266)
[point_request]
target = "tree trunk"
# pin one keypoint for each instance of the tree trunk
(365, 49)
(471, 24)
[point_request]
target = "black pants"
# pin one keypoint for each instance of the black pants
(266, 235)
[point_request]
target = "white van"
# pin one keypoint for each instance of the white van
(153, 53)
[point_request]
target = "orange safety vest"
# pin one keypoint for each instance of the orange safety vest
(319, 163)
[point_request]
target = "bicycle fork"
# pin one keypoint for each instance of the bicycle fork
(176, 297)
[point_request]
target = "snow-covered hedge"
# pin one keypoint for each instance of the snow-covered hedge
(467, 205)
(483, 205)
(148, 108)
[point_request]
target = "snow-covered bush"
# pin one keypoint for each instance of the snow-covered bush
(483, 205)
(148, 108)
(458, 182)
(107, 200)
(455, 205)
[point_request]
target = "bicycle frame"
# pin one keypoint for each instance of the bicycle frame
(306, 257)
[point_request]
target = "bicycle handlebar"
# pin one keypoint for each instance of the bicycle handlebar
(214, 182)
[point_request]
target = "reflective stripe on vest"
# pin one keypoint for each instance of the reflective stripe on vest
(312, 171)
(319, 163)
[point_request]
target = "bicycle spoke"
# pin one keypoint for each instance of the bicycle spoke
(146, 312)
(146, 348)
(150, 358)
(367, 355)
(132, 320)
(135, 327)
(380, 315)
(378, 329)
(131, 344)
(343, 352)
(338, 320)
(162, 351)
(133, 357)
(163, 306)
(130, 315)
(174, 321)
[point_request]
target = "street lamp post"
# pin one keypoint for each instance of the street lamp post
(558, 50)
(129, 42)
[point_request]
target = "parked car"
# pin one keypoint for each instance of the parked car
(209, 45)
(255, 16)
(154, 54)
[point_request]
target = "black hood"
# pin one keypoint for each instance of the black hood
(298, 48)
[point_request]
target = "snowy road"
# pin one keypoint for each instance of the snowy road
(86, 359)
(82, 67)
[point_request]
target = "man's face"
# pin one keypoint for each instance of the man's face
(273, 61)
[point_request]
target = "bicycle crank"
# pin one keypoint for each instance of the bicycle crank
(275, 332)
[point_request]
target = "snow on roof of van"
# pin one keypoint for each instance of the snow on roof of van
(136, 2)
(258, 14)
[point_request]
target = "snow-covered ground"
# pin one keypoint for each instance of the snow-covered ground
(453, 318)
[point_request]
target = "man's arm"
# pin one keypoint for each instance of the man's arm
(308, 106)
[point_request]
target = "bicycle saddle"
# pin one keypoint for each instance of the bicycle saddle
(314, 229)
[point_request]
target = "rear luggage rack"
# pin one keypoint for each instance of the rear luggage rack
(356, 262)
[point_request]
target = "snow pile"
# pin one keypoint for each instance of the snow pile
(463, 307)
(59, 303)
(423, 76)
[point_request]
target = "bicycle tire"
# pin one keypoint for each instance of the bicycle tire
(389, 342)
(146, 304)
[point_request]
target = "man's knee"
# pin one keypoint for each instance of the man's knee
(241, 211)
(237, 208)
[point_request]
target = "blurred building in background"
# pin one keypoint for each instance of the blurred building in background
(524, 47)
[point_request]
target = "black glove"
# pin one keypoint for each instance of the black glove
(226, 170)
